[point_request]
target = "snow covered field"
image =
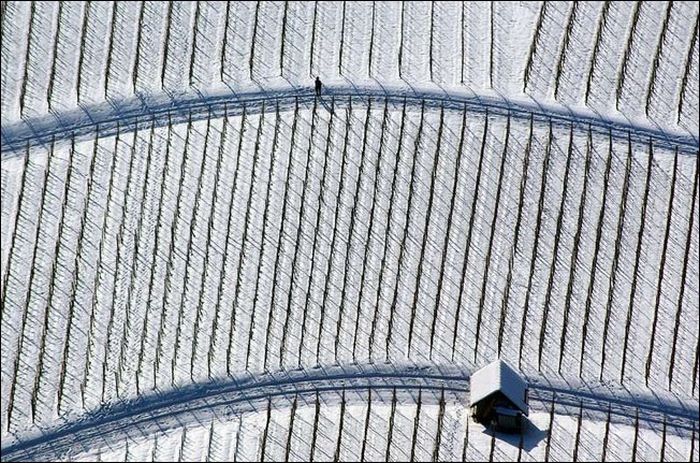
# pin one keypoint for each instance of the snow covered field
(200, 260)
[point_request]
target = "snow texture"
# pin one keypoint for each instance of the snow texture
(202, 260)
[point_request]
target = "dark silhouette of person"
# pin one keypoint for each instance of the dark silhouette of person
(318, 86)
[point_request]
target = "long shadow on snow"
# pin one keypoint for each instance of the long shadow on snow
(139, 112)
(223, 399)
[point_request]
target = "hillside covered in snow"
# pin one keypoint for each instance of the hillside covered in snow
(203, 260)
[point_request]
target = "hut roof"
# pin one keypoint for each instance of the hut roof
(500, 377)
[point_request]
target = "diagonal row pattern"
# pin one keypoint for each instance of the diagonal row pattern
(147, 251)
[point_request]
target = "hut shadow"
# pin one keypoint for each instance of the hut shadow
(527, 440)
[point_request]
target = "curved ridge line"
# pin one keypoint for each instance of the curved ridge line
(108, 118)
(207, 398)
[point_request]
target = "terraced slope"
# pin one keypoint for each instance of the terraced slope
(200, 259)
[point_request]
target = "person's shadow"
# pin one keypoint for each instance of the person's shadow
(324, 103)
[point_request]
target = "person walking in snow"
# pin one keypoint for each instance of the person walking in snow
(318, 86)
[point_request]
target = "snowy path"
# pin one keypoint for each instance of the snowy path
(130, 114)
(205, 402)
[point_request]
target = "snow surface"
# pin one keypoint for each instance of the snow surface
(202, 261)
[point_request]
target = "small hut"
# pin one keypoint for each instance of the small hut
(498, 397)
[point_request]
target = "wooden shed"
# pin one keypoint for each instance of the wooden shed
(498, 397)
